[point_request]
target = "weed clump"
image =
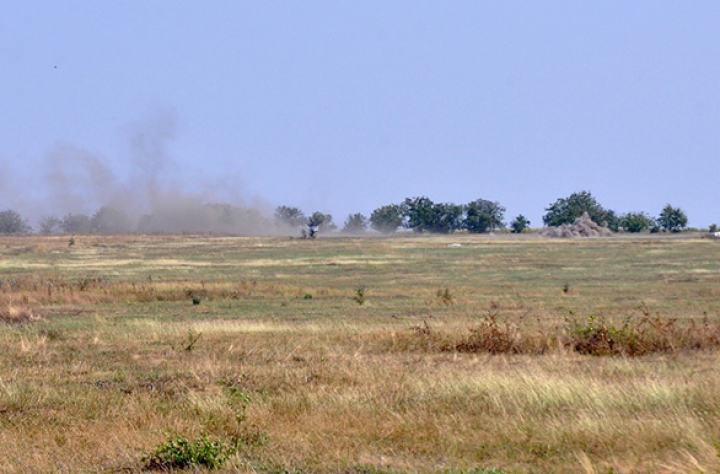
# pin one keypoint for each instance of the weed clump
(177, 452)
(593, 336)
(648, 335)
(445, 297)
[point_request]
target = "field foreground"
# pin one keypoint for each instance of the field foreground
(361, 355)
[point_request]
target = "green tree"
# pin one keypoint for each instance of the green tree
(448, 218)
(12, 223)
(387, 219)
(672, 219)
(519, 225)
(565, 211)
(636, 221)
(291, 216)
(110, 221)
(421, 214)
(355, 224)
(484, 216)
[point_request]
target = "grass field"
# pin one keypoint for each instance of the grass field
(360, 355)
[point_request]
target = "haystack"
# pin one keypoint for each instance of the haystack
(582, 227)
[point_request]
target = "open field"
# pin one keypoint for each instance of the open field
(459, 359)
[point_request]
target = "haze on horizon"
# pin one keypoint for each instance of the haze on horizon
(344, 107)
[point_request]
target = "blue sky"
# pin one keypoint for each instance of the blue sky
(347, 106)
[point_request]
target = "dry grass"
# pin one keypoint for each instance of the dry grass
(458, 359)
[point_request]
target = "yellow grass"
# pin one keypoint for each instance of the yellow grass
(122, 355)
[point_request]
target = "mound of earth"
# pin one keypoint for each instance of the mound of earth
(582, 227)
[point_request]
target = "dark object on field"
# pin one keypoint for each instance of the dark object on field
(196, 300)
(360, 295)
(582, 227)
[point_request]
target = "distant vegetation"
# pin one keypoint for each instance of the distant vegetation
(418, 214)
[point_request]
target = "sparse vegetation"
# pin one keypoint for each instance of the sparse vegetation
(511, 377)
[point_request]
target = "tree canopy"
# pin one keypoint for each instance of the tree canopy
(672, 219)
(566, 210)
(387, 219)
(483, 216)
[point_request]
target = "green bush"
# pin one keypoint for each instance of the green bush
(177, 452)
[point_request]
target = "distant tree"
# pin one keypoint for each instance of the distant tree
(565, 211)
(49, 225)
(291, 216)
(421, 214)
(110, 221)
(448, 218)
(76, 224)
(713, 228)
(636, 222)
(355, 224)
(484, 216)
(387, 219)
(519, 225)
(672, 219)
(12, 223)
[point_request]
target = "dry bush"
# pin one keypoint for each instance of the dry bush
(593, 336)
(17, 315)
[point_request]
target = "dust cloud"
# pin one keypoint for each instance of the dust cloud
(148, 198)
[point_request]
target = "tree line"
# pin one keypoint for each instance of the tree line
(421, 214)
(417, 214)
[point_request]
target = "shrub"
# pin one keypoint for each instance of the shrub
(359, 295)
(519, 225)
(177, 452)
(636, 221)
(594, 336)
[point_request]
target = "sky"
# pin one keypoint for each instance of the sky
(343, 107)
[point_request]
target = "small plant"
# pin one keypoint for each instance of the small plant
(189, 344)
(71, 242)
(177, 452)
(566, 288)
(307, 296)
(359, 295)
(196, 300)
(445, 297)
